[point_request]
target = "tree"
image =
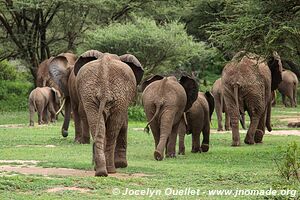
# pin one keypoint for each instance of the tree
(160, 48)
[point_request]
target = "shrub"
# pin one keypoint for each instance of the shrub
(160, 48)
(14, 95)
(7, 71)
(288, 163)
(136, 113)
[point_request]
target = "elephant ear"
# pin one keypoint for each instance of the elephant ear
(135, 65)
(211, 103)
(275, 66)
(191, 89)
(86, 57)
(59, 72)
(150, 80)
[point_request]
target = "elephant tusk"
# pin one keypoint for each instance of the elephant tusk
(61, 107)
(185, 119)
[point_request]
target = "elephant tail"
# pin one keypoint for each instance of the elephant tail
(158, 105)
(236, 97)
(33, 103)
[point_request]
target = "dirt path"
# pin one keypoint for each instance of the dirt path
(62, 171)
(274, 132)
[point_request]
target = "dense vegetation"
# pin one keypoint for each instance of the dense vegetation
(168, 37)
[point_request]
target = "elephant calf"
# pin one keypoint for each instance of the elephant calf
(288, 87)
(197, 120)
(164, 101)
(42, 100)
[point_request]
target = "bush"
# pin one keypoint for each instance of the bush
(136, 113)
(160, 48)
(14, 95)
(7, 71)
(288, 163)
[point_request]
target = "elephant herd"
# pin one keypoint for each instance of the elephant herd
(99, 87)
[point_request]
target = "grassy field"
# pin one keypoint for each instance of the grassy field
(223, 167)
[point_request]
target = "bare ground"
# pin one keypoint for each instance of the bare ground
(59, 189)
(29, 169)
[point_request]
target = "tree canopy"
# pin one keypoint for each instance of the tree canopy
(193, 36)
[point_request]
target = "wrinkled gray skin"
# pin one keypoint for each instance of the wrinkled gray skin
(61, 71)
(220, 105)
(288, 87)
(44, 79)
(248, 81)
(197, 120)
(105, 88)
(164, 101)
(42, 100)
(217, 92)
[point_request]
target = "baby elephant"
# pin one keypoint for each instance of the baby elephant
(197, 120)
(42, 100)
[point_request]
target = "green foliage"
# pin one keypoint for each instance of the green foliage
(288, 162)
(136, 113)
(7, 71)
(160, 48)
(14, 95)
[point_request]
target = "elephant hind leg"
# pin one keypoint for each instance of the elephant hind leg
(196, 142)
(166, 126)
(31, 114)
(259, 133)
(114, 125)
(249, 139)
(205, 141)
(98, 129)
(121, 147)
(171, 148)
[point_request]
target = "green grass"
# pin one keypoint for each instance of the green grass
(223, 167)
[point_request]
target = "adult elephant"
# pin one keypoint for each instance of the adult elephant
(217, 91)
(197, 120)
(43, 76)
(42, 100)
(105, 88)
(62, 73)
(164, 100)
(248, 81)
(288, 87)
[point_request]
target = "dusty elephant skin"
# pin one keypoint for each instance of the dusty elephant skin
(42, 100)
(105, 88)
(248, 81)
(217, 91)
(288, 87)
(197, 120)
(62, 73)
(164, 101)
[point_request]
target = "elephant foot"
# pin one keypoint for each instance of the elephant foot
(235, 143)
(171, 155)
(158, 156)
(31, 124)
(120, 161)
(249, 141)
(220, 129)
(101, 172)
(227, 128)
(181, 151)
(204, 147)
(64, 133)
(111, 169)
(259, 134)
(83, 140)
(196, 149)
